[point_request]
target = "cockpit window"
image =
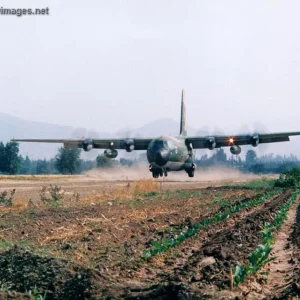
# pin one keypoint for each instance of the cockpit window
(169, 144)
(157, 145)
(160, 144)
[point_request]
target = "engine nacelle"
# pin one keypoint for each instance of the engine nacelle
(255, 140)
(111, 153)
(129, 145)
(211, 143)
(235, 149)
(87, 145)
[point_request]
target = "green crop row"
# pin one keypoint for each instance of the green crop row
(259, 257)
(165, 244)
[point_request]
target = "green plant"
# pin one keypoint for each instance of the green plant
(37, 295)
(151, 194)
(259, 257)
(240, 273)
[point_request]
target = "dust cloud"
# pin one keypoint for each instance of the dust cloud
(142, 172)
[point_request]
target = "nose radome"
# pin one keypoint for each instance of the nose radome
(162, 157)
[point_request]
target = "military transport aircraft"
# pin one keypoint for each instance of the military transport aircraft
(167, 153)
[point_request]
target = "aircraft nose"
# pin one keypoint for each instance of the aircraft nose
(162, 157)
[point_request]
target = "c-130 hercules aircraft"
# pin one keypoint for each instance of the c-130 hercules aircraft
(167, 153)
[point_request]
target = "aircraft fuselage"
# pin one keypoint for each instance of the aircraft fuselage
(168, 153)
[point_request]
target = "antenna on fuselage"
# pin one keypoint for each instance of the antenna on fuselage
(183, 131)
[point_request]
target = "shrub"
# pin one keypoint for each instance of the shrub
(5, 200)
(55, 192)
(289, 179)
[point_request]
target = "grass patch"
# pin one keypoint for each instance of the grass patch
(290, 179)
(263, 183)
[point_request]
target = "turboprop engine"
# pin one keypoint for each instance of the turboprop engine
(254, 140)
(235, 149)
(129, 145)
(211, 143)
(87, 145)
(111, 153)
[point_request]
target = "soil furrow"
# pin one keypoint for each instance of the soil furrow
(277, 274)
(230, 246)
(291, 288)
(211, 262)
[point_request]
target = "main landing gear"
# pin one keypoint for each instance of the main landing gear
(191, 170)
(191, 173)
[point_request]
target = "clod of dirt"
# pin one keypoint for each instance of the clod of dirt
(206, 261)
(217, 252)
(164, 292)
(7, 295)
(23, 271)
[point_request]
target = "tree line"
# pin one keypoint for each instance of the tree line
(68, 161)
(264, 164)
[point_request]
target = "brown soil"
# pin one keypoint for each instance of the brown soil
(289, 288)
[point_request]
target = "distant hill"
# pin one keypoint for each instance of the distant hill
(156, 128)
(13, 127)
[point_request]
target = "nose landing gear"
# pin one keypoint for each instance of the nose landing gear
(158, 172)
(155, 175)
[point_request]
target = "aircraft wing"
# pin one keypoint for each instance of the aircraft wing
(217, 141)
(137, 143)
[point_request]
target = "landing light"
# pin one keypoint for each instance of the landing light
(111, 143)
(231, 140)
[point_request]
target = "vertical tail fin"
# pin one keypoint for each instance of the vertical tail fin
(183, 131)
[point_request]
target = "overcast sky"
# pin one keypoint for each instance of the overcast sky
(108, 65)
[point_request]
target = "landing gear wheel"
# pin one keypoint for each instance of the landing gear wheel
(191, 173)
(165, 173)
(155, 175)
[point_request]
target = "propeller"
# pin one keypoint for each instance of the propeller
(83, 133)
(253, 128)
(209, 131)
(128, 133)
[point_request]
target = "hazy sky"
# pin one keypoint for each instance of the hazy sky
(108, 65)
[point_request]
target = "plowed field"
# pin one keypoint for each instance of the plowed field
(91, 240)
